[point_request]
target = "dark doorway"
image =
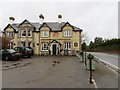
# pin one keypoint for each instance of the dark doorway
(54, 49)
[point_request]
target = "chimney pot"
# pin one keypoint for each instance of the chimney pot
(11, 20)
(41, 18)
(59, 18)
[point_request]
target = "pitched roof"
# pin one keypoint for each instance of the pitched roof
(55, 26)
(12, 26)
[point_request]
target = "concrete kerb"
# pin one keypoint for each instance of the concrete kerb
(115, 68)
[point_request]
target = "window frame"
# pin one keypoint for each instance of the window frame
(10, 34)
(67, 33)
(67, 45)
(44, 46)
(43, 33)
(30, 32)
(22, 33)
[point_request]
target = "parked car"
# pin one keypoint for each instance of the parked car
(9, 54)
(31, 50)
(25, 52)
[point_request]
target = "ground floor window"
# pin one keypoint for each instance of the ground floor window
(23, 44)
(11, 45)
(44, 46)
(67, 45)
(29, 44)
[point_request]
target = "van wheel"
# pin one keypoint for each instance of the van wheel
(6, 58)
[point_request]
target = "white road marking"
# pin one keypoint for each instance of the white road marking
(94, 83)
(109, 64)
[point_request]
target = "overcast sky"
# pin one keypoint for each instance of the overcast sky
(97, 19)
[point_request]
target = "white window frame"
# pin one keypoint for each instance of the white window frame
(44, 47)
(67, 45)
(30, 33)
(45, 35)
(67, 33)
(10, 34)
(22, 33)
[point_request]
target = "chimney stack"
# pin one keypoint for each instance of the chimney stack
(59, 18)
(41, 18)
(11, 20)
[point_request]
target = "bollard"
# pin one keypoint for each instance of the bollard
(88, 64)
(82, 55)
(90, 57)
(85, 59)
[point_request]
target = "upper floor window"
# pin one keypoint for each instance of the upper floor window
(44, 46)
(23, 33)
(45, 33)
(10, 34)
(29, 33)
(67, 33)
(67, 45)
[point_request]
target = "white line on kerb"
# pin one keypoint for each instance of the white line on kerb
(94, 83)
(109, 64)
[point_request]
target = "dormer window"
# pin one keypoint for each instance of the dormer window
(10, 34)
(45, 34)
(67, 33)
(29, 33)
(23, 33)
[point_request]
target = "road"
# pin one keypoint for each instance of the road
(110, 58)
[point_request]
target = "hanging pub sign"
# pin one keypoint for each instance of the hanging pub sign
(75, 44)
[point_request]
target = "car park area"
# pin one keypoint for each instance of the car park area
(44, 71)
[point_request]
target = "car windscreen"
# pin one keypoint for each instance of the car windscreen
(11, 50)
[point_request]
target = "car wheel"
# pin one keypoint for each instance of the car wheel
(6, 58)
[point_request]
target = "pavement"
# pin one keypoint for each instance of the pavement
(105, 77)
(56, 72)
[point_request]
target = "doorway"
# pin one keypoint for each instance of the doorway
(54, 49)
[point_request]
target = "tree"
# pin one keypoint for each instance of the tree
(98, 41)
(91, 45)
(83, 46)
(5, 42)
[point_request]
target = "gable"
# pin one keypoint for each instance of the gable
(44, 26)
(67, 26)
(26, 23)
(9, 28)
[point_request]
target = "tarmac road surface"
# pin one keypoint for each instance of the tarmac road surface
(110, 58)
